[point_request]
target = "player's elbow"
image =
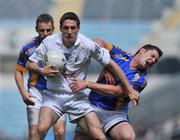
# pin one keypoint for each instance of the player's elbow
(29, 64)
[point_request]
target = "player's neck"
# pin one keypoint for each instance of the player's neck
(133, 64)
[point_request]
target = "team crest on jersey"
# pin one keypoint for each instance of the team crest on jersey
(31, 51)
(136, 77)
(97, 49)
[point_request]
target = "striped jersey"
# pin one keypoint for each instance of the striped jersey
(35, 79)
(137, 79)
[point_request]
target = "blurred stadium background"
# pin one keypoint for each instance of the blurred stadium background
(126, 23)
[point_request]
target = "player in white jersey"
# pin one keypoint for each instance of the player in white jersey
(59, 98)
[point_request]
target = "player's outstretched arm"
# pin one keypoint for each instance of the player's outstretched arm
(111, 90)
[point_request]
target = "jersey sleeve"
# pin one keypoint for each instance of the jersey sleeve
(100, 54)
(22, 60)
(139, 84)
(40, 52)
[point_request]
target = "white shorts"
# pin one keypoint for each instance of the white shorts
(75, 104)
(33, 110)
(109, 118)
(38, 97)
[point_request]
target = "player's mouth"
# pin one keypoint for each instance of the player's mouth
(69, 37)
(148, 63)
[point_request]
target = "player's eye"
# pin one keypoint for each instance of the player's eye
(67, 28)
(43, 30)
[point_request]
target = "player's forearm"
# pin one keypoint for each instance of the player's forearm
(119, 73)
(106, 89)
(20, 82)
(33, 66)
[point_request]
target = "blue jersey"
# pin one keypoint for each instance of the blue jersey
(137, 79)
(35, 79)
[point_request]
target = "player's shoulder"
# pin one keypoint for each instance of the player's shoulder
(117, 51)
(84, 41)
(53, 36)
(29, 44)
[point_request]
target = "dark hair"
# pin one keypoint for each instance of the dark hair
(69, 15)
(151, 47)
(44, 18)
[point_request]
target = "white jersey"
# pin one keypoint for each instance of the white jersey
(78, 59)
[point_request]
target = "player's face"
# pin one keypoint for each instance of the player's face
(69, 31)
(147, 58)
(44, 29)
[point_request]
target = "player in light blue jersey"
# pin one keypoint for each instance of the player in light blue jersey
(109, 100)
(36, 81)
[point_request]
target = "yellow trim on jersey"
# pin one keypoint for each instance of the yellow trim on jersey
(119, 103)
(34, 79)
(21, 68)
(109, 46)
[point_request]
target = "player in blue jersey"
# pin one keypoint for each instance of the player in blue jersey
(109, 101)
(36, 82)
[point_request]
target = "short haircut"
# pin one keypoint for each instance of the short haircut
(151, 47)
(44, 18)
(69, 15)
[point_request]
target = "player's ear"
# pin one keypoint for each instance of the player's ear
(142, 50)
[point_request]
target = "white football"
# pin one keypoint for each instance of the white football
(56, 58)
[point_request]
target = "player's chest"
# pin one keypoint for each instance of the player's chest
(77, 56)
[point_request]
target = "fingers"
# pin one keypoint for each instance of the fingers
(53, 67)
(30, 101)
(31, 96)
(73, 85)
(134, 99)
(135, 102)
(53, 74)
(77, 85)
(51, 71)
(109, 78)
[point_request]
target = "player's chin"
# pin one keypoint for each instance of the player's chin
(143, 67)
(42, 38)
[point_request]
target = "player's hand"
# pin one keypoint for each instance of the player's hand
(108, 76)
(28, 98)
(133, 95)
(134, 99)
(77, 85)
(50, 71)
